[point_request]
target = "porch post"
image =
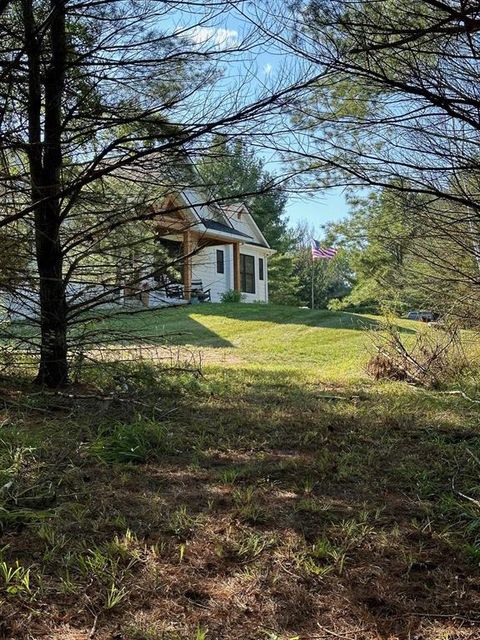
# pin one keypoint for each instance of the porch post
(187, 264)
(236, 266)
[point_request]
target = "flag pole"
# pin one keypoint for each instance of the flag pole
(313, 288)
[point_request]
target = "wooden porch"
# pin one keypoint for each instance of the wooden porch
(193, 243)
(172, 221)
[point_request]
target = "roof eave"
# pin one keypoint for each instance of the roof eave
(223, 235)
(265, 250)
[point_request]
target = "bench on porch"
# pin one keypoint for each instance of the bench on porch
(196, 291)
(174, 290)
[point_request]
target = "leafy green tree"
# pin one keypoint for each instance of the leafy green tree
(377, 237)
(283, 281)
(399, 259)
(395, 107)
(232, 171)
(329, 278)
(294, 273)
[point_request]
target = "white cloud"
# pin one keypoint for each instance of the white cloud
(267, 69)
(213, 36)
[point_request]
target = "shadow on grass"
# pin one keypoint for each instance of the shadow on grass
(172, 327)
(178, 326)
(294, 316)
(168, 327)
(260, 504)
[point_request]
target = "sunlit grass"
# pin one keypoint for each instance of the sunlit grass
(277, 490)
(320, 343)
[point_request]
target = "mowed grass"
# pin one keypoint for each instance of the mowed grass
(281, 494)
(268, 336)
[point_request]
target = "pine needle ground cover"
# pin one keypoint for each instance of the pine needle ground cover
(278, 494)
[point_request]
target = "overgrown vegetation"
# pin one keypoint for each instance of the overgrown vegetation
(435, 356)
(281, 494)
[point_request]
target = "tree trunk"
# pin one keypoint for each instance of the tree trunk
(53, 369)
(45, 158)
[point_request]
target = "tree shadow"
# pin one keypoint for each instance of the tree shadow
(271, 509)
(293, 316)
(183, 326)
(168, 326)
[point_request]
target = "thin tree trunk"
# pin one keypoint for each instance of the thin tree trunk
(45, 167)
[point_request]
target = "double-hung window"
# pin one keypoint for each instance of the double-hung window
(247, 273)
(220, 261)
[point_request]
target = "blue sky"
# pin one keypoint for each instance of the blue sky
(264, 65)
(326, 206)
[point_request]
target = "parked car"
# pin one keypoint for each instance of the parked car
(422, 316)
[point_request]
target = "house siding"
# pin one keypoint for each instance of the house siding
(204, 268)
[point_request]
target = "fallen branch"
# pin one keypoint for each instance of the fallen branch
(335, 634)
(93, 629)
(450, 616)
(463, 495)
(433, 357)
(110, 398)
(458, 392)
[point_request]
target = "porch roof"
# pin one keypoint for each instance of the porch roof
(213, 225)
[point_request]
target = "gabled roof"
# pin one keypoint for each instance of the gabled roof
(233, 210)
(210, 219)
(204, 209)
(232, 221)
(218, 226)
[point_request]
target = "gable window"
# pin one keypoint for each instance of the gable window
(247, 273)
(260, 269)
(220, 261)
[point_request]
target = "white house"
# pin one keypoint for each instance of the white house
(215, 249)
(221, 249)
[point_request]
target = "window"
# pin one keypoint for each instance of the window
(220, 261)
(260, 269)
(247, 273)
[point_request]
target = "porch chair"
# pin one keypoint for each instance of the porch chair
(197, 291)
(174, 290)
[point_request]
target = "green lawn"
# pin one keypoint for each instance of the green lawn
(271, 337)
(280, 494)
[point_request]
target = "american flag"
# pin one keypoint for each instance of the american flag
(320, 253)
